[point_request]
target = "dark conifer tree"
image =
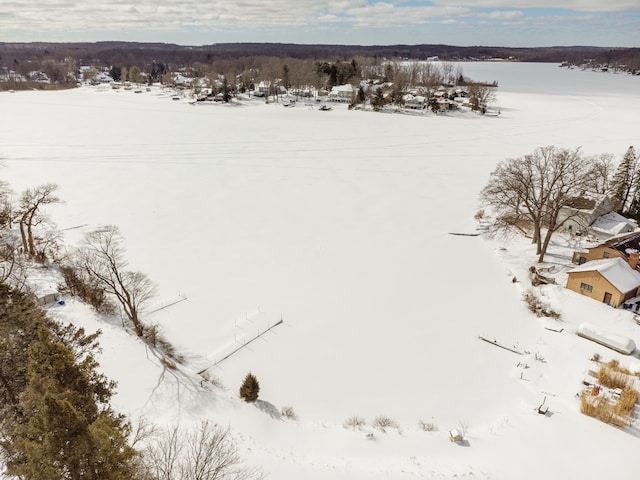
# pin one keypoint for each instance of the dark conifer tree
(624, 181)
(56, 419)
(250, 388)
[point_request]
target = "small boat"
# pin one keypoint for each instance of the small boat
(325, 108)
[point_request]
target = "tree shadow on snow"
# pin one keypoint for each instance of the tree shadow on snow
(268, 408)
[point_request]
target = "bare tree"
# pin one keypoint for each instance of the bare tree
(163, 454)
(13, 268)
(602, 173)
(206, 452)
(450, 72)
(481, 95)
(6, 209)
(102, 257)
(533, 189)
(9, 243)
(29, 212)
(143, 430)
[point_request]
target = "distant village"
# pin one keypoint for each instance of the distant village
(407, 85)
(599, 66)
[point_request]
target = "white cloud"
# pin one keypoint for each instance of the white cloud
(162, 14)
(387, 14)
(26, 20)
(577, 5)
(503, 15)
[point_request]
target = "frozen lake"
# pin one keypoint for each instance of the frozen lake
(336, 222)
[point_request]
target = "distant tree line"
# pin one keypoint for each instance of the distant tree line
(132, 53)
(150, 62)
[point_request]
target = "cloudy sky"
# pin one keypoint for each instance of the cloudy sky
(364, 22)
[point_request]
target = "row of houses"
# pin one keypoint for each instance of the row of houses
(33, 76)
(607, 271)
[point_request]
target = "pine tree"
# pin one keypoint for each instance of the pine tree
(226, 91)
(286, 77)
(67, 429)
(362, 97)
(250, 388)
(56, 420)
(624, 181)
(377, 102)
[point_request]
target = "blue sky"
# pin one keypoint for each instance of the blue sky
(519, 23)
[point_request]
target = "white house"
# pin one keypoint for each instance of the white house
(180, 80)
(342, 93)
(414, 102)
(593, 214)
(262, 89)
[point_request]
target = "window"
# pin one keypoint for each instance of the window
(586, 287)
(605, 254)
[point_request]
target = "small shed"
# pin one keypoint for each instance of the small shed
(46, 297)
(455, 436)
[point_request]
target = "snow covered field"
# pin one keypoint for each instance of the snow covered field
(338, 223)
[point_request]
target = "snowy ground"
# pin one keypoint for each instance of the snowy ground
(338, 223)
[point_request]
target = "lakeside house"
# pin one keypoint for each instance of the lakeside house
(414, 102)
(609, 280)
(580, 212)
(620, 246)
(262, 89)
(593, 214)
(342, 93)
(612, 224)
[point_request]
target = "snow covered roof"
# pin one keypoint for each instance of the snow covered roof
(621, 242)
(410, 98)
(619, 343)
(616, 270)
(347, 87)
(613, 223)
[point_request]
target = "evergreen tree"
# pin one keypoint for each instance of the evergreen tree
(377, 102)
(397, 95)
(115, 72)
(624, 181)
(67, 430)
(250, 388)
(226, 92)
(286, 77)
(362, 97)
(56, 420)
(20, 319)
(433, 105)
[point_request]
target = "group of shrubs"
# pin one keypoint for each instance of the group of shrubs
(383, 423)
(617, 408)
